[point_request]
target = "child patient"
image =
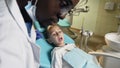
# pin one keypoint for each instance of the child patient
(56, 36)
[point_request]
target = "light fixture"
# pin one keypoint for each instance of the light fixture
(76, 11)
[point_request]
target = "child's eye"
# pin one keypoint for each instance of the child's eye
(53, 34)
(59, 31)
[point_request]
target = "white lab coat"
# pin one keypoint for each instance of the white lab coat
(17, 49)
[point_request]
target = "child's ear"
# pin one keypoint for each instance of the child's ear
(49, 40)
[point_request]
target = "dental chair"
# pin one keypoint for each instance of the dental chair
(45, 47)
(77, 58)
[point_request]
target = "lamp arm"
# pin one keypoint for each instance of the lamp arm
(104, 54)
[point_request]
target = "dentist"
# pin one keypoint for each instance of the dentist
(17, 47)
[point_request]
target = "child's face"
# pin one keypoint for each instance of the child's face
(56, 36)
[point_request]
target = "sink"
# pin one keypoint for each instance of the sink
(113, 41)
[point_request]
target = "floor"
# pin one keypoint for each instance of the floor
(95, 42)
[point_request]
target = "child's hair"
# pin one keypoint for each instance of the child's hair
(46, 32)
(49, 29)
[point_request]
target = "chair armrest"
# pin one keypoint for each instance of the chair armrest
(105, 54)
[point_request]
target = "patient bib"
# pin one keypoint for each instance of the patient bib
(79, 59)
(75, 58)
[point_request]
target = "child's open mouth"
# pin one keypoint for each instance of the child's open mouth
(60, 39)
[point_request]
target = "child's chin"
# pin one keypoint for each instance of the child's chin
(60, 45)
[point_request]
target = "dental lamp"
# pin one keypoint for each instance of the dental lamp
(86, 9)
(80, 8)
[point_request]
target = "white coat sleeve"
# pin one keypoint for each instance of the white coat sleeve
(16, 50)
(56, 59)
